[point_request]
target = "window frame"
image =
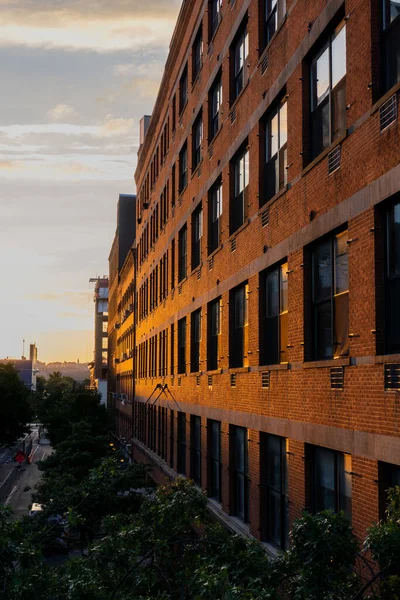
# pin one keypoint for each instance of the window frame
(195, 449)
(182, 346)
(214, 470)
(239, 169)
(389, 29)
(182, 253)
(274, 339)
(195, 339)
(197, 236)
(339, 481)
(197, 54)
(215, 99)
(213, 346)
(317, 146)
(183, 168)
(183, 90)
(391, 280)
(239, 473)
(197, 140)
(239, 54)
(214, 19)
(275, 155)
(215, 200)
(238, 326)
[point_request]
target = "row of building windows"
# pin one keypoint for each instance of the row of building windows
(326, 318)
(325, 97)
(328, 472)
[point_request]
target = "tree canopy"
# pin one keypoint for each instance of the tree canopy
(15, 411)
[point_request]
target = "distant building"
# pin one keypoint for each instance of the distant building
(98, 367)
(121, 317)
(26, 367)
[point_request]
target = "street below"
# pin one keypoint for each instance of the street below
(16, 487)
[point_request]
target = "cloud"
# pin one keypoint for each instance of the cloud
(61, 112)
(116, 126)
(10, 165)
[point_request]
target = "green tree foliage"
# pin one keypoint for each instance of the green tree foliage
(15, 411)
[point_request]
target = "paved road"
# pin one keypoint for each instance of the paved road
(14, 483)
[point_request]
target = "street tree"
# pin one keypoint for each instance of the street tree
(15, 411)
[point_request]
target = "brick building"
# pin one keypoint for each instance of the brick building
(98, 366)
(120, 318)
(267, 261)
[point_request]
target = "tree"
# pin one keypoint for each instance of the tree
(15, 411)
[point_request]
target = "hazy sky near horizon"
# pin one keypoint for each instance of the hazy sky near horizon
(76, 77)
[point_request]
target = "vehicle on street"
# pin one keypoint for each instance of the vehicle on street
(35, 510)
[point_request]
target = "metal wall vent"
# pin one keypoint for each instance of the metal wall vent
(233, 244)
(198, 274)
(210, 381)
(199, 171)
(392, 376)
(211, 263)
(180, 290)
(388, 112)
(210, 151)
(264, 63)
(179, 381)
(334, 159)
(233, 115)
(265, 379)
(265, 217)
(337, 378)
(233, 380)
(197, 380)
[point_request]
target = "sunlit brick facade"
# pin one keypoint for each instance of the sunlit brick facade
(267, 253)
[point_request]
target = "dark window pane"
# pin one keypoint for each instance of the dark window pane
(322, 271)
(323, 330)
(324, 479)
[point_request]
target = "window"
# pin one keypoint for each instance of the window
(274, 315)
(240, 182)
(214, 11)
(182, 345)
(183, 168)
(214, 106)
(174, 113)
(391, 42)
(183, 90)
(239, 53)
(195, 449)
(173, 264)
(181, 442)
(171, 438)
(172, 349)
(275, 151)
(331, 480)
(330, 297)
(214, 216)
(214, 459)
(213, 333)
(274, 11)
(388, 477)
(239, 472)
(238, 338)
(195, 338)
(328, 92)
(197, 234)
(173, 185)
(392, 280)
(274, 492)
(197, 54)
(182, 266)
(197, 138)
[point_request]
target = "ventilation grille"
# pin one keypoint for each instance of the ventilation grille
(211, 263)
(180, 290)
(265, 217)
(334, 159)
(210, 381)
(265, 379)
(211, 151)
(172, 380)
(233, 115)
(392, 377)
(264, 64)
(337, 378)
(233, 380)
(197, 380)
(179, 381)
(199, 171)
(388, 112)
(233, 244)
(198, 274)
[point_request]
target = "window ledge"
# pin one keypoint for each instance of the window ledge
(233, 104)
(195, 269)
(197, 76)
(323, 154)
(334, 362)
(214, 252)
(197, 167)
(387, 358)
(271, 549)
(181, 192)
(195, 373)
(211, 40)
(215, 372)
(386, 96)
(237, 370)
(268, 46)
(212, 141)
(239, 229)
(182, 111)
(270, 201)
(277, 367)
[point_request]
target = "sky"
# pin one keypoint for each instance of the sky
(76, 78)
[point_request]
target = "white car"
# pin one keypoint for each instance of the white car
(35, 510)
